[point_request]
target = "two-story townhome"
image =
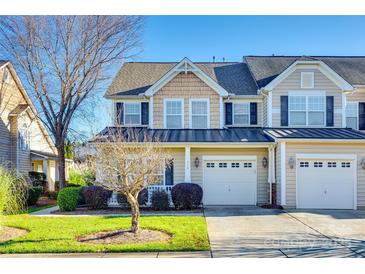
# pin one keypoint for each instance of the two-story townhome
(283, 130)
(24, 142)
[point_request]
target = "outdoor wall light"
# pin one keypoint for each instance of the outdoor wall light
(362, 163)
(264, 162)
(196, 162)
(291, 162)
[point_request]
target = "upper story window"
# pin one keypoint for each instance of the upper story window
(199, 113)
(352, 115)
(24, 137)
(307, 110)
(241, 113)
(132, 113)
(174, 113)
(307, 80)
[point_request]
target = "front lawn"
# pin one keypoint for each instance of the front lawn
(38, 208)
(57, 234)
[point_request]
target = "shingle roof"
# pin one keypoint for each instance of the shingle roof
(235, 135)
(315, 133)
(3, 62)
(136, 78)
(266, 68)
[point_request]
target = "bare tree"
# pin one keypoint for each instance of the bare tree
(126, 162)
(65, 61)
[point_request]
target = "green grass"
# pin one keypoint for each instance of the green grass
(38, 208)
(57, 234)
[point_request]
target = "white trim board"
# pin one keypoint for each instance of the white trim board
(185, 65)
(326, 156)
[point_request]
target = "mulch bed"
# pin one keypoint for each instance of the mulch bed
(44, 200)
(125, 237)
(118, 210)
(9, 233)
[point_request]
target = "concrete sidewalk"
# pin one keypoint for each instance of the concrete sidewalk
(196, 254)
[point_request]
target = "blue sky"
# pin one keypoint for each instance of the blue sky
(170, 38)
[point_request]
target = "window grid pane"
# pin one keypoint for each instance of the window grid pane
(241, 114)
(199, 114)
(132, 113)
(174, 114)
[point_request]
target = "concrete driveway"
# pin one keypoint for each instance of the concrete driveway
(257, 232)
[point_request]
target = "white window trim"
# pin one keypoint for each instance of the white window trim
(191, 110)
(124, 112)
(306, 95)
(301, 79)
(233, 113)
(182, 110)
(357, 113)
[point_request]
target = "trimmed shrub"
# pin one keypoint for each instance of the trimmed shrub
(160, 200)
(96, 197)
(142, 198)
(186, 195)
(34, 192)
(67, 198)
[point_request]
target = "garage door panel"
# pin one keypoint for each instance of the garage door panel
(230, 182)
(326, 184)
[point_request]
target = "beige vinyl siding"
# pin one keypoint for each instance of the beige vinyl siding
(10, 97)
(262, 176)
(321, 83)
(264, 112)
(324, 148)
(178, 155)
(185, 86)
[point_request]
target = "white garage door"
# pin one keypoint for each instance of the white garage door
(325, 183)
(229, 182)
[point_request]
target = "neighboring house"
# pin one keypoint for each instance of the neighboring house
(270, 129)
(24, 142)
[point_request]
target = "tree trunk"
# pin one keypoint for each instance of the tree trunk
(61, 165)
(135, 213)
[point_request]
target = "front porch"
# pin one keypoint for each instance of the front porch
(193, 163)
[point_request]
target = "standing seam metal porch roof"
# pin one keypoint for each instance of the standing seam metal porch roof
(229, 135)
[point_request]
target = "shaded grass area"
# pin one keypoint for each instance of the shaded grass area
(38, 208)
(57, 234)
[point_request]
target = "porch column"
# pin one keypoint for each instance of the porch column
(271, 170)
(187, 165)
(45, 167)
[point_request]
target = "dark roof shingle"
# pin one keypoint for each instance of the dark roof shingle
(136, 78)
(266, 68)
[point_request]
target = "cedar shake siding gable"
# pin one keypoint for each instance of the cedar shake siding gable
(186, 86)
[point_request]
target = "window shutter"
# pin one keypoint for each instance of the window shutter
(284, 105)
(361, 116)
(329, 111)
(169, 174)
(253, 113)
(144, 113)
(120, 114)
(229, 113)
